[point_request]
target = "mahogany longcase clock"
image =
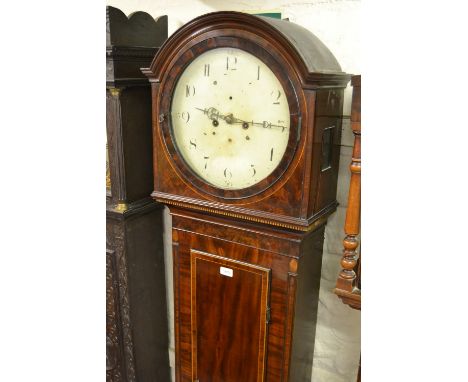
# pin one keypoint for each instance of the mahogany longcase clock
(246, 132)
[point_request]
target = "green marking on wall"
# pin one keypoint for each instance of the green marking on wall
(273, 15)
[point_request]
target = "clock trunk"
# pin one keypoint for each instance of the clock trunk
(246, 298)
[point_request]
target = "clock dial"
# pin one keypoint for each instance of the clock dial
(230, 118)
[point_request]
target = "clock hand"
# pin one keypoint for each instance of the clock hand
(214, 115)
(264, 124)
(269, 125)
(211, 112)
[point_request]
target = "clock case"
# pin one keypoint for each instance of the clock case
(256, 321)
(302, 189)
(136, 319)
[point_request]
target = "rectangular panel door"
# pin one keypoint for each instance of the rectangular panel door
(230, 309)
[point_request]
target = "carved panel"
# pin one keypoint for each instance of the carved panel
(113, 335)
(116, 230)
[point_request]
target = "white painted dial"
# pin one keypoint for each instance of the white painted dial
(230, 118)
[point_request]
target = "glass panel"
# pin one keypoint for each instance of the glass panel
(327, 147)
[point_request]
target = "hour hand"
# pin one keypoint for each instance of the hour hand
(211, 112)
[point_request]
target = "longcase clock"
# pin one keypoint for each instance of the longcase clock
(136, 320)
(246, 132)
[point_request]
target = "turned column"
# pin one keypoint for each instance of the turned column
(348, 283)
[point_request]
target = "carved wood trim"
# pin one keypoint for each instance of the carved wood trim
(113, 335)
(125, 316)
(348, 284)
(128, 368)
(246, 214)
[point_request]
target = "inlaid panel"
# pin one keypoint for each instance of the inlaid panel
(229, 318)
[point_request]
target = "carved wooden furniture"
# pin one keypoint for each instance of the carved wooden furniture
(247, 261)
(136, 318)
(348, 284)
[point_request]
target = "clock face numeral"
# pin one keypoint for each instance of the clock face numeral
(227, 173)
(226, 105)
(231, 63)
(189, 91)
(253, 170)
(282, 124)
(185, 116)
(276, 95)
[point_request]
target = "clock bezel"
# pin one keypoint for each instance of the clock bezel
(277, 65)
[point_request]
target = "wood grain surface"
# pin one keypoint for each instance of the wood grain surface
(246, 328)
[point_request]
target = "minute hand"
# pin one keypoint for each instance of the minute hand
(264, 124)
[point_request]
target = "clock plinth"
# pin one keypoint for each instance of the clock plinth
(247, 251)
(246, 297)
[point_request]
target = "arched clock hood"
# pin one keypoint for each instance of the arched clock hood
(301, 191)
(314, 63)
(314, 53)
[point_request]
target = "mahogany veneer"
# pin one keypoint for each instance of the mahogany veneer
(247, 263)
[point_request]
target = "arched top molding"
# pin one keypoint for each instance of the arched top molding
(312, 61)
